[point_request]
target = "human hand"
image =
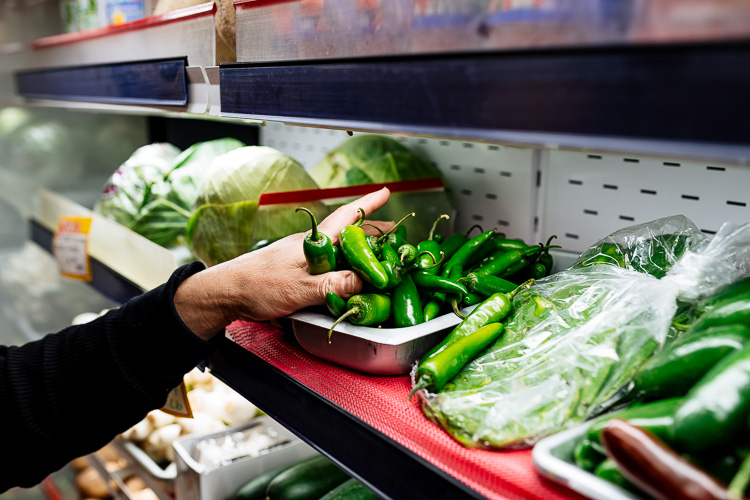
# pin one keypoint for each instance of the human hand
(271, 282)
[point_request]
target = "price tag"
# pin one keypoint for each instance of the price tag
(177, 402)
(70, 247)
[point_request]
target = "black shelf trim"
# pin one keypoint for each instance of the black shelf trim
(156, 82)
(107, 282)
(676, 92)
(384, 465)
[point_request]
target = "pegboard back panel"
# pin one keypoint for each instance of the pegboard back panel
(585, 196)
(493, 186)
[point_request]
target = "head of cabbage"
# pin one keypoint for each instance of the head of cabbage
(227, 220)
(371, 159)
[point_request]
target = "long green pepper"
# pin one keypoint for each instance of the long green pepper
(365, 309)
(318, 248)
(360, 256)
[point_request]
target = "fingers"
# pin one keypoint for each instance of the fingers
(349, 213)
(383, 225)
(342, 283)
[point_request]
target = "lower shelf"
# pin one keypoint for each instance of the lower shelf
(367, 425)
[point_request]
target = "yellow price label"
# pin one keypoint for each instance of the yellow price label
(70, 247)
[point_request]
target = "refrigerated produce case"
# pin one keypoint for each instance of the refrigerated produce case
(566, 118)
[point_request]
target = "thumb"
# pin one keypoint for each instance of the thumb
(342, 283)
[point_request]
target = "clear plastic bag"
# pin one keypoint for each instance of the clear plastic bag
(577, 337)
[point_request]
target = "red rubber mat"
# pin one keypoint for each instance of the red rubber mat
(382, 403)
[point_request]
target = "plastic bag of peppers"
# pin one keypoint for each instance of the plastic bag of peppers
(574, 339)
(690, 406)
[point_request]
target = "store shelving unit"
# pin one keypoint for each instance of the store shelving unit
(674, 100)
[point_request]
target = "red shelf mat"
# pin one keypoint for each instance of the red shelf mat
(381, 402)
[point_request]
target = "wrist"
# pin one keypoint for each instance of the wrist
(203, 306)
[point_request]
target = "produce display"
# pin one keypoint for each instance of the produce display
(574, 340)
(406, 284)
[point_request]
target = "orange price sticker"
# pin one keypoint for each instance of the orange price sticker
(70, 247)
(177, 402)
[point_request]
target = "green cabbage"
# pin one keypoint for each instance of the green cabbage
(368, 159)
(227, 221)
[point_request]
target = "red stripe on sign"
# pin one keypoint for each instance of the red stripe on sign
(204, 9)
(432, 183)
(251, 4)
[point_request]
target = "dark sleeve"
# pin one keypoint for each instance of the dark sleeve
(72, 392)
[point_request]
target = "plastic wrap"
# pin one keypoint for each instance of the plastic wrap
(577, 337)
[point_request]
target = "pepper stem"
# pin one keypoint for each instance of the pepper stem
(434, 259)
(422, 383)
(525, 284)
(354, 310)
(373, 225)
(468, 231)
(362, 218)
(434, 225)
(396, 225)
(454, 305)
(314, 235)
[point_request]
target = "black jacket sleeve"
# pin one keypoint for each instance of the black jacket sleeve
(72, 392)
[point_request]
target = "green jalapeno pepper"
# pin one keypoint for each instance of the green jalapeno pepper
(318, 248)
(503, 263)
(407, 254)
(487, 248)
(545, 258)
(486, 284)
(436, 369)
(467, 250)
(510, 244)
(432, 283)
(473, 298)
(608, 470)
(674, 370)
(437, 301)
(365, 309)
(729, 311)
(407, 306)
(360, 256)
(452, 243)
(739, 287)
(425, 262)
(657, 417)
(586, 456)
(335, 304)
(396, 236)
(716, 409)
(538, 271)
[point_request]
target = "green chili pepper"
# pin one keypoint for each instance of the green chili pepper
(407, 254)
(740, 287)
(424, 262)
(365, 310)
(586, 456)
(432, 283)
(318, 248)
(656, 417)
(360, 256)
(467, 250)
(486, 284)
(502, 264)
(545, 258)
(436, 303)
(473, 298)
(609, 471)
(487, 248)
(510, 244)
(436, 369)
(389, 254)
(538, 271)
(716, 409)
(437, 238)
(335, 304)
(674, 370)
(729, 311)
(407, 306)
(452, 243)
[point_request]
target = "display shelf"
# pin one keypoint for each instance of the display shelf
(367, 425)
(149, 65)
(123, 264)
(655, 99)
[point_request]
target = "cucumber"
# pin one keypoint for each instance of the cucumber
(350, 490)
(308, 480)
(255, 489)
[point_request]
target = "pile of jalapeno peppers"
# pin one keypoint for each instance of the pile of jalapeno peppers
(693, 399)
(407, 283)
